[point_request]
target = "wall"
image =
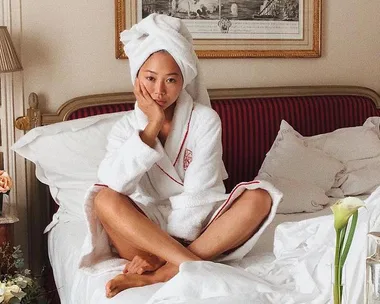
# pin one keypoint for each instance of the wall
(68, 50)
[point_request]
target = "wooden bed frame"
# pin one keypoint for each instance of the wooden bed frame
(40, 212)
(34, 117)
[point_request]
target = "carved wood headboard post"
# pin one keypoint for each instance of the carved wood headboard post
(33, 115)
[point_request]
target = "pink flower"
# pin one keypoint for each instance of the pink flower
(5, 182)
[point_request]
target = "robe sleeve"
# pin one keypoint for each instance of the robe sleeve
(203, 182)
(127, 158)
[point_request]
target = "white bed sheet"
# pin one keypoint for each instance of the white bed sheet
(65, 241)
(265, 243)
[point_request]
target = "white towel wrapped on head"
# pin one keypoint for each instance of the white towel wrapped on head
(160, 32)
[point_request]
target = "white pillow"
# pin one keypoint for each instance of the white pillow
(291, 157)
(347, 144)
(373, 123)
(362, 176)
(359, 149)
(67, 156)
(298, 196)
(335, 192)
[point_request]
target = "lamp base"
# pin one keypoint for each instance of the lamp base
(1, 204)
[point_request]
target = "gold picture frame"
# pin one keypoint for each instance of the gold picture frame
(303, 39)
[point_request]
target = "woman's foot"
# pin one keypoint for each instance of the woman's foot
(129, 280)
(125, 281)
(142, 264)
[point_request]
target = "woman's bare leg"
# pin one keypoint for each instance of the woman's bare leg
(230, 230)
(128, 229)
(140, 261)
(235, 226)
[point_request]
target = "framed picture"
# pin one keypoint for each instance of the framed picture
(235, 28)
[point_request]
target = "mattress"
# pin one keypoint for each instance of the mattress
(65, 241)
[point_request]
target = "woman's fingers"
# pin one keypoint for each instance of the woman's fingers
(142, 264)
(141, 92)
(145, 93)
(138, 266)
(147, 104)
(134, 265)
(137, 90)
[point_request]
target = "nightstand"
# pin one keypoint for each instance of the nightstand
(6, 228)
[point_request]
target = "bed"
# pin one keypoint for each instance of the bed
(283, 134)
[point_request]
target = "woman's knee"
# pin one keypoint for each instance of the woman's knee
(258, 202)
(105, 199)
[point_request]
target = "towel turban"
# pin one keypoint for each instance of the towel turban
(161, 32)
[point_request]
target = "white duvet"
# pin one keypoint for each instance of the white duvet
(298, 270)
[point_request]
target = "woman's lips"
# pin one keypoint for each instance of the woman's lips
(160, 102)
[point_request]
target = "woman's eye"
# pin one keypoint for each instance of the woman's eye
(171, 80)
(149, 78)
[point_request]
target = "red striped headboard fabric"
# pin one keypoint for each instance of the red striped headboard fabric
(249, 126)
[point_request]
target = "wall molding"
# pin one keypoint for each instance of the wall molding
(12, 106)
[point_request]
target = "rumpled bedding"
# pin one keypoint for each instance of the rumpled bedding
(298, 271)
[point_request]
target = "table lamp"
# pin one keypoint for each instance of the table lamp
(9, 61)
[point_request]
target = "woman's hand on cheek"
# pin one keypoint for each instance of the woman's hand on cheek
(147, 104)
(153, 112)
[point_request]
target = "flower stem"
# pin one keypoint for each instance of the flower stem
(350, 236)
(344, 253)
(342, 237)
(336, 268)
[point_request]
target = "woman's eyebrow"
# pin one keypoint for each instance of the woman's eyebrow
(169, 74)
(153, 72)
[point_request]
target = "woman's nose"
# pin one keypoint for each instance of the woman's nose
(160, 88)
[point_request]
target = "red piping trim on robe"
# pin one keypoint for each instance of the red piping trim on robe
(172, 178)
(228, 201)
(183, 141)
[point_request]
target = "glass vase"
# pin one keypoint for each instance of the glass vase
(373, 269)
(342, 287)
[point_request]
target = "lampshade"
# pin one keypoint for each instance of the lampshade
(9, 61)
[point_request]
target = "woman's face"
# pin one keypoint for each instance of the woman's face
(162, 77)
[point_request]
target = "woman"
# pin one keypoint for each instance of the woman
(161, 201)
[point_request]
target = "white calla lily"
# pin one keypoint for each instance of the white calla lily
(343, 209)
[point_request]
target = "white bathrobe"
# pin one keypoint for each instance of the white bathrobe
(179, 185)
